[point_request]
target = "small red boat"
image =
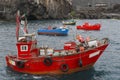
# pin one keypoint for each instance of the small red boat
(74, 57)
(87, 26)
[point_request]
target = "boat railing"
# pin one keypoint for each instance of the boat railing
(27, 38)
(79, 48)
(93, 43)
(99, 43)
(52, 52)
(105, 41)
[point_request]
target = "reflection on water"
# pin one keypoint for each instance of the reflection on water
(83, 75)
(90, 74)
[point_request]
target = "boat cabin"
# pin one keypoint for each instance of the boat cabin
(27, 46)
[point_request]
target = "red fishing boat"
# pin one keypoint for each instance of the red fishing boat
(87, 26)
(75, 56)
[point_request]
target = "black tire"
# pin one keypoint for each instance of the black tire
(64, 67)
(48, 61)
(20, 64)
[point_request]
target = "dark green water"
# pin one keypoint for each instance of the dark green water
(106, 68)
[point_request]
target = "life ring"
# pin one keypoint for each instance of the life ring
(64, 67)
(80, 63)
(20, 64)
(48, 61)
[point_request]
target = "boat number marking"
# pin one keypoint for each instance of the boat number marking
(94, 54)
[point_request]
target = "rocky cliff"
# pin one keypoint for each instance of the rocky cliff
(46, 9)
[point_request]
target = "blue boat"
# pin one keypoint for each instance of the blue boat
(62, 31)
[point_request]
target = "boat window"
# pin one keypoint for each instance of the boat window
(24, 47)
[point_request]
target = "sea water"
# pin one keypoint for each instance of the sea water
(106, 68)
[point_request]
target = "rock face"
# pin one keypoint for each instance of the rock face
(46, 9)
(57, 8)
(114, 9)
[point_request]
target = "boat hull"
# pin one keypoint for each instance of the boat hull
(69, 23)
(93, 27)
(56, 32)
(60, 64)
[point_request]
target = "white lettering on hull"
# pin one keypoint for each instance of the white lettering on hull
(94, 54)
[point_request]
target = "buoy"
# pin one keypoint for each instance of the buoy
(48, 61)
(64, 67)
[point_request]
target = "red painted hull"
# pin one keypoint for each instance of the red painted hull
(75, 62)
(90, 27)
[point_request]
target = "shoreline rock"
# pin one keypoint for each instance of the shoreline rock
(55, 9)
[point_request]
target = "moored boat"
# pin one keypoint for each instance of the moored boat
(72, 22)
(87, 26)
(75, 56)
(62, 31)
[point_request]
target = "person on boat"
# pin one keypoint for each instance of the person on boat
(63, 27)
(77, 40)
(82, 48)
(83, 43)
(49, 27)
(86, 42)
(80, 38)
(88, 38)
